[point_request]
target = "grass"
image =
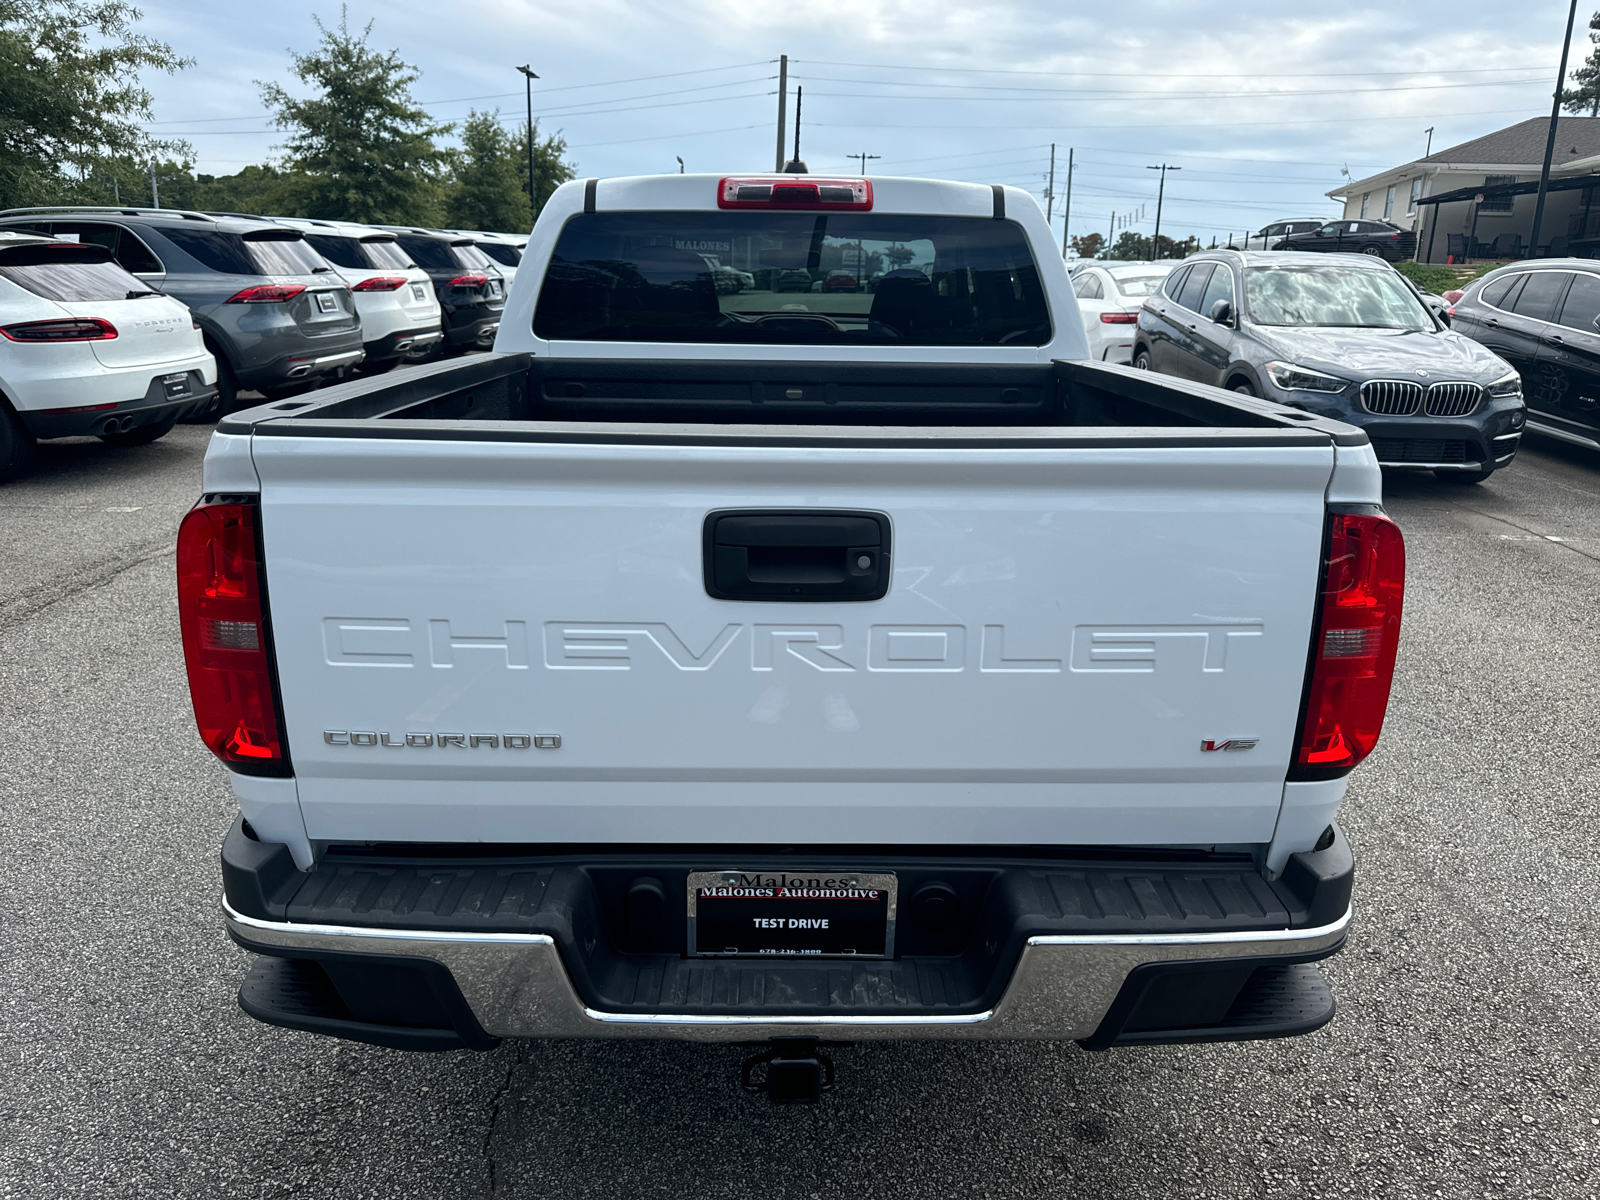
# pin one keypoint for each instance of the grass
(1440, 279)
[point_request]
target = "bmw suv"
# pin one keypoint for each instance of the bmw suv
(275, 315)
(1341, 336)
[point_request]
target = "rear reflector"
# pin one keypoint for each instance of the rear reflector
(74, 329)
(225, 637)
(381, 283)
(1120, 318)
(794, 191)
(1358, 633)
(267, 293)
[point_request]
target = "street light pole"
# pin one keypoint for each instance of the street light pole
(783, 99)
(679, 157)
(533, 195)
(1161, 191)
(1429, 150)
(1550, 141)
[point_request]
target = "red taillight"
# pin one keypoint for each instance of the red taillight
(1120, 318)
(267, 293)
(469, 281)
(1451, 311)
(381, 283)
(74, 329)
(1358, 632)
(225, 642)
(794, 191)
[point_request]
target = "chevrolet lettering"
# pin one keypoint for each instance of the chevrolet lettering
(917, 676)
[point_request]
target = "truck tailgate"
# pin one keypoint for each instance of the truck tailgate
(1068, 629)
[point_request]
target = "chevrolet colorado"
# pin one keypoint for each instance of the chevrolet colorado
(744, 667)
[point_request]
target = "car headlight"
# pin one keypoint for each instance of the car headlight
(1297, 379)
(1511, 385)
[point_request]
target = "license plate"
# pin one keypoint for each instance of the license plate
(417, 292)
(494, 287)
(175, 385)
(802, 914)
(326, 303)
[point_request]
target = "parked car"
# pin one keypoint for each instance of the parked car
(1056, 718)
(86, 348)
(1110, 295)
(1344, 338)
(1543, 318)
(469, 286)
(1380, 239)
(841, 281)
(274, 313)
(400, 315)
(793, 281)
(505, 249)
(1269, 237)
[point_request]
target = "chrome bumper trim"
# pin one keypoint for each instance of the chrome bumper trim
(517, 986)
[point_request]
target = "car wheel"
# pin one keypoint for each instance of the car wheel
(1463, 478)
(1141, 359)
(1244, 389)
(1375, 251)
(16, 444)
(226, 399)
(141, 436)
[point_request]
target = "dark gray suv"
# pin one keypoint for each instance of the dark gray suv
(275, 315)
(1342, 336)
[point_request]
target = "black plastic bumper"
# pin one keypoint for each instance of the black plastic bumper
(406, 341)
(157, 404)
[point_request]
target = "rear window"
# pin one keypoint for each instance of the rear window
(233, 254)
(63, 275)
(385, 254)
(1139, 285)
(506, 256)
(472, 257)
(431, 254)
(340, 251)
(810, 278)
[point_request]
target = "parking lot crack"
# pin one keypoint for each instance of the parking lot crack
(495, 1104)
(31, 601)
(1552, 539)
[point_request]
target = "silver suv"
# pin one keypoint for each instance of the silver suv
(272, 310)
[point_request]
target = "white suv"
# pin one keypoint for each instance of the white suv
(87, 349)
(394, 298)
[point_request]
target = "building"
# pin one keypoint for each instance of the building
(1477, 199)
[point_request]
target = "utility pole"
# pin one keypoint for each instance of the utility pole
(1429, 150)
(783, 99)
(863, 157)
(155, 194)
(1050, 192)
(1161, 191)
(1550, 142)
(533, 192)
(1066, 209)
(1110, 237)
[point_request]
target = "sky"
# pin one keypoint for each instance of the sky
(1261, 111)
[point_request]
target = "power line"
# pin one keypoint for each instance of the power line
(1173, 125)
(1109, 94)
(1171, 74)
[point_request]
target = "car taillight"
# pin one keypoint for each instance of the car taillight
(381, 283)
(469, 281)
(794, 191)
(226, 641)
(75, 329)
(267, 293)
(1450, 312)
(1120, 318)
(1358, 633)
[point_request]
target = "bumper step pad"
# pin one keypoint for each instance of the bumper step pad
(297, 994)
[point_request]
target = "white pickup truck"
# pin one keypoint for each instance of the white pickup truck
(753, 667)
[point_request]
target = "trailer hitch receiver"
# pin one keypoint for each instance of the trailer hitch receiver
(797, 1072)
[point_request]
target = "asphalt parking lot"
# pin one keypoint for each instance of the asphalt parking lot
(1462, 1062)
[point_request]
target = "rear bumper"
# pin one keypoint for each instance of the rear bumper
(535, 949)
(157, 404)
(402, 342)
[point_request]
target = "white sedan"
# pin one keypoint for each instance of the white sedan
(88, 349)
(1109, 297)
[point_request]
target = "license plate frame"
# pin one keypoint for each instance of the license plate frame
(327, 303)
(176, 386)
(418, 293)
(727, 908)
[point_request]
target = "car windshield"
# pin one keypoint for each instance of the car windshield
(1347, 297)
(796, 277)
(1139, 285)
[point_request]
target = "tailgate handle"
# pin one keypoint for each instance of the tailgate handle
(796, 555)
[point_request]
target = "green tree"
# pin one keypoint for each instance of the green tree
(1587, 94)
(1089, 245)
(368, 148)
(1136, 246)
(70, 96)
(549, 169)
(490, 189)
